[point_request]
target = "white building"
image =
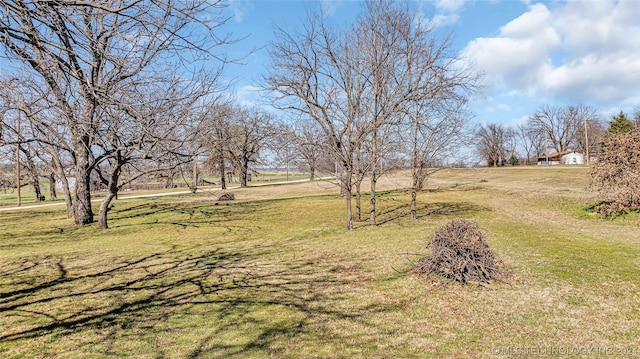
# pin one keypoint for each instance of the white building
(561, 158)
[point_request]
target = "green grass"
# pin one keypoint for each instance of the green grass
(274, 274)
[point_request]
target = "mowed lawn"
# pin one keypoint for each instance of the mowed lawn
(274, 274)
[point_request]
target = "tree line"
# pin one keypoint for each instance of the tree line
(550, 129)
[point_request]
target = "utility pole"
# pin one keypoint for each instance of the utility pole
(586, 138)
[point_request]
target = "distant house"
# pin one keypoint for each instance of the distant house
(561, 158)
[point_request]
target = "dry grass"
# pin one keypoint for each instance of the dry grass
(181, 277)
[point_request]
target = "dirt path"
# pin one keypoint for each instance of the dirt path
(157, 194)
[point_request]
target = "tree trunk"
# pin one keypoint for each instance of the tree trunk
(104, 208)
(52, 187)
(195, 176)
(223, 179)
(358, 215)
(36, 188)
(414, 171)
(59, 169)
(112, 193)
(349, 214)
(372, 201)
(414, 207)
(68, 199)
(414, 190)
(83, 214)
(244, 169)
(348, 189)
(169, 182)
(312, 172)
(374, 177)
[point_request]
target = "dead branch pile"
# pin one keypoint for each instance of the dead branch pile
(616, 175)
(460, 252)
(227, 197)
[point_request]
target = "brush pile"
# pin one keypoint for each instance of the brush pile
(460, 252)
(227, 197)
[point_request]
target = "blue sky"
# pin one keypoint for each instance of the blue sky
(531, 52)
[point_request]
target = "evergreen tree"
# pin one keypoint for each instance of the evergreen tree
(620, 124)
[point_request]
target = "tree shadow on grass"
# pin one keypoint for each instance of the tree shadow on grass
(434, 209)
(178, 215)
(394, 206)
(183, 302)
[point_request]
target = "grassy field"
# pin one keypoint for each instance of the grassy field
(275, 275)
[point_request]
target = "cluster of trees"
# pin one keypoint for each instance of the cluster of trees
(232, 139)
(112, 89)
(550, 128)
(116, 90)
(379, 91)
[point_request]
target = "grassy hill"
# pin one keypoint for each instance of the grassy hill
(274, 274)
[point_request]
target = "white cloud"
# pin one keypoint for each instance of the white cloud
(447, 12)
(329, 7)
(520, 55)
(500, 107)
(444, 20)
(449, 5)
(248, 95)
(518, 121)
(503, 107)
(606, 79)
(238, 15)
(584, 51)
(239, 8)
(537, 19)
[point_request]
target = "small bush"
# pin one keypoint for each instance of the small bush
(460, 252)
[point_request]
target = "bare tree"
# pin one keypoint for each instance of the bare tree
(7, 179)
(589, 136)
(43, 129)
(146, 130)
(437, 129)
(493, 143)
(251, 130)
(316, 74)
(32, 171)
(531, 141)
(405, 64)
(310, 145)
(283, 148)
(589, 129)
(558, 125)
(84, 51)
(217, 140)
(357, 83)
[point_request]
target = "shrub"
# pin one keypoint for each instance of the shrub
(460, 252)
(616, 175)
